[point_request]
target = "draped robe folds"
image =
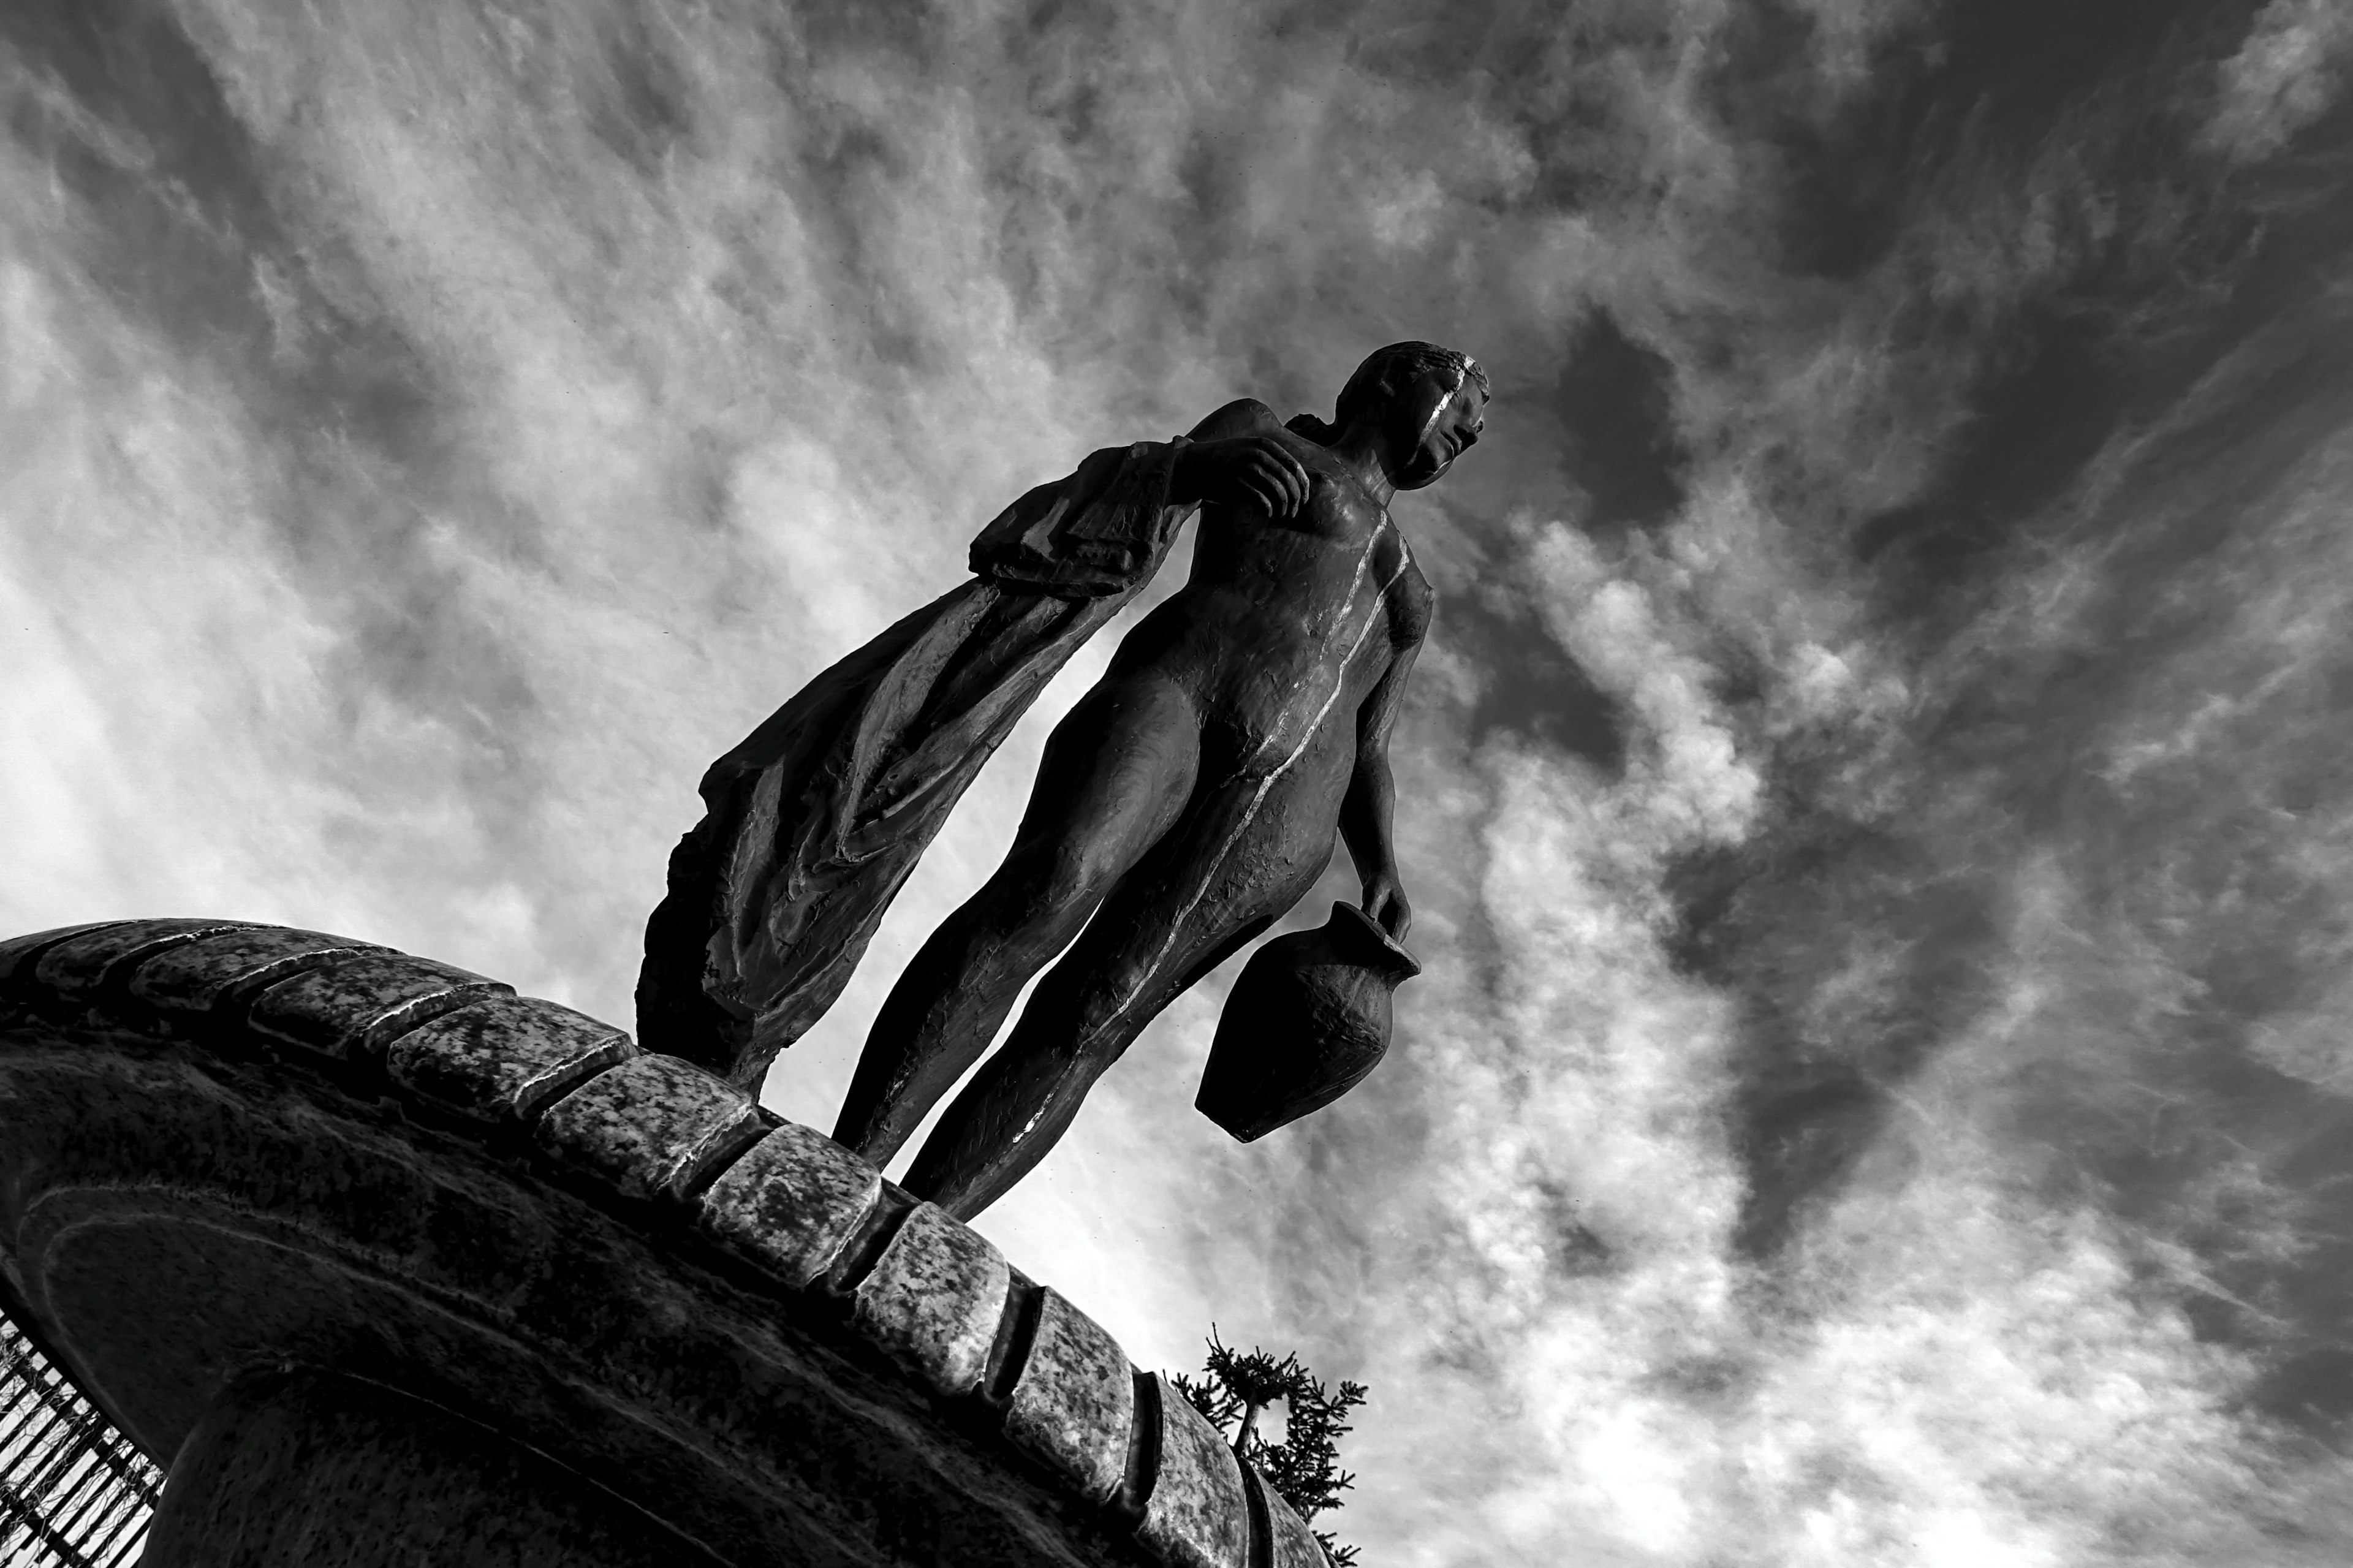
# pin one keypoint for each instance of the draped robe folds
(812, 823)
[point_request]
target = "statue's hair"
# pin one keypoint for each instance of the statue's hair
(1383, 374)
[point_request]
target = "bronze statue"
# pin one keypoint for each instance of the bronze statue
(1186, 804)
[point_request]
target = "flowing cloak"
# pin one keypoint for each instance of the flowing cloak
(812, 823)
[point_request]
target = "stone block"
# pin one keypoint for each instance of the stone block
(504, 1060)
(195, 976)
(78, 966)
(1073, 1406)
(1291, 1543)
(20, 951)
(934, 1301)
(654, 1127)
(188, 1232)
(1196, 1516)
(352, 1007)
(791, 1203)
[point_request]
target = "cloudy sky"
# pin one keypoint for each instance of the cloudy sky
(1878, 801)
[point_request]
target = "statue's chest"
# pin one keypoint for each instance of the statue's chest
(1340, 534)
(1339, 512)
(1320, 572)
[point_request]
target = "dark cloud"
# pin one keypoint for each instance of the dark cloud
(1872, 800)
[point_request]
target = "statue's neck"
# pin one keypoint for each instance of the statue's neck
(1360, 450)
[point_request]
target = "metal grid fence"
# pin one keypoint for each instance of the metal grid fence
(73, 1492)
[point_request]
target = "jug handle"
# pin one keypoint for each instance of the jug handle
(1393, 961)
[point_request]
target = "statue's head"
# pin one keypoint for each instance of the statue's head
(1427, 404)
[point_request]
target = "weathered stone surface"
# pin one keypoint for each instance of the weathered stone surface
(184, 1207)
(504, 1058)
(654, 1127)
(1196, 1516)
(18, 951)
(791, 1203)
(352, 1007)
(1073, 1406)
(76, 967)
(934, 1299)
(1292, 1543)
(195, 976)
(331, 1472)
(177, 1220)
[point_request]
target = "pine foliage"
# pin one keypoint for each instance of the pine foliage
(1236, 1388)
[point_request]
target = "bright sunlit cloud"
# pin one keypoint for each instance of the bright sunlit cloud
(1875, 804)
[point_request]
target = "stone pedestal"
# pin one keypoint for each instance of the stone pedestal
(389, 1265)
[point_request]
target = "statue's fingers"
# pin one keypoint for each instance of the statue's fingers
(1283, 471)
(1302, 483)
(1295, 479)
(1266, 478)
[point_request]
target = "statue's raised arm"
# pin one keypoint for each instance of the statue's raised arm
(1186, 802)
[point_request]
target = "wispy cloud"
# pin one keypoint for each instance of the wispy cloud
(1873, 805)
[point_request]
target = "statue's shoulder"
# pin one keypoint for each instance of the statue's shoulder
(1242, 416)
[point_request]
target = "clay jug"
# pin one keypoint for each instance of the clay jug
(1306, 1021)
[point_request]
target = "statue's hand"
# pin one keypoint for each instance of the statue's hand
(1255, 472)
(1385, 901)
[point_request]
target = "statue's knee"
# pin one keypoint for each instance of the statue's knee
(1052, 880)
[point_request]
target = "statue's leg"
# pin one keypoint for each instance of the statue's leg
(1240, 858)
(1115, 775)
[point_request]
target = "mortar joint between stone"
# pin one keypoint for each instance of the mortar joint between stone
(875, 1233)
(1017, 1334)
(1142, 1472)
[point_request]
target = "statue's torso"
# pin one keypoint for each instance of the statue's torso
(1285, 626)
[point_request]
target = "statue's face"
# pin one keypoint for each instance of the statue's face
(1435, 421)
